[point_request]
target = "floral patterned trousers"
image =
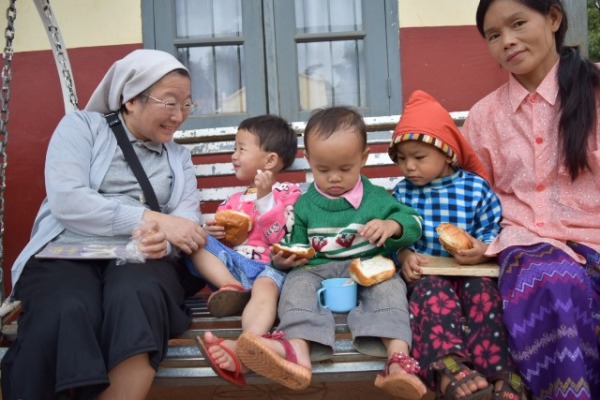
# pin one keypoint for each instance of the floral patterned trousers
(460, 316)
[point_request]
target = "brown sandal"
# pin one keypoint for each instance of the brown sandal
(459, 373)
(512, 387)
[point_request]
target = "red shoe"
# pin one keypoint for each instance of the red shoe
(236, 377)
(404, 385)
(228, 300)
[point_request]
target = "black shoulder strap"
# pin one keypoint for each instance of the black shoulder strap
(115, 124)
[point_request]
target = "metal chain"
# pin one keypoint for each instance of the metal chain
(60, 54)
(9, 34)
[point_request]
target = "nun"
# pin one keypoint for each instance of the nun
(96, 325)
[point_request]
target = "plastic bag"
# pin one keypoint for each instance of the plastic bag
(132, 253)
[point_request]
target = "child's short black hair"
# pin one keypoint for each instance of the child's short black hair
(274, 135)
(324, 122)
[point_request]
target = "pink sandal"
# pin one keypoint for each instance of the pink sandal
(236, 377)
(405, 385)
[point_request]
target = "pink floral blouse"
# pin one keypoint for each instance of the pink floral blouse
(272, 216)
(516, 135)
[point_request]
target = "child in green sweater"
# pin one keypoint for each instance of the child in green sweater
(343, 217)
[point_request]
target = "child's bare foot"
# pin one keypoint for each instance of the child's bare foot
(510, 385)
(458, 381)
(223, 358)
(473, 385)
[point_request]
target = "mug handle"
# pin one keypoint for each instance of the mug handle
(320, 296)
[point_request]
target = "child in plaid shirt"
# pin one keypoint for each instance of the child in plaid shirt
(445, 181)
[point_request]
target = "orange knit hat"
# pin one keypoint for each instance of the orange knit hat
(425, 120)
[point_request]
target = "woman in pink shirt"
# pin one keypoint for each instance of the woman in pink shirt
(537, 136)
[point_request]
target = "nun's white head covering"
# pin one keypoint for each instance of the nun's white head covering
(129, 77)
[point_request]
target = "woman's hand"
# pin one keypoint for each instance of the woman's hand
(181, 232)
(152, 241)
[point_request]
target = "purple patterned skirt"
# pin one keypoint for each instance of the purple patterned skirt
(552, 312)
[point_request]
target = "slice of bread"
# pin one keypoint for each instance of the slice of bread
(300, 250)
(372, 271)
(453, 238)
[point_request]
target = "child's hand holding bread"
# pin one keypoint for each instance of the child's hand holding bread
(465, 249)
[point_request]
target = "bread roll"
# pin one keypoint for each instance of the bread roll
(453, 238)
(236, 224)
(372, 271)
(300, 250)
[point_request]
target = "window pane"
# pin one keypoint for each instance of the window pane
(348, 86)
(321, 16)
(331, 73)
(208, 18)
(217, 83)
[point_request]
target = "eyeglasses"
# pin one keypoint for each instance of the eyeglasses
(171, 106)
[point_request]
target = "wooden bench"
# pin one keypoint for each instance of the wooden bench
(211, 153)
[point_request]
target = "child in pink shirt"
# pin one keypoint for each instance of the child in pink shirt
(264, 146)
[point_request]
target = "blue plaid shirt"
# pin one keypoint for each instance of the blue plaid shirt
(463, 199)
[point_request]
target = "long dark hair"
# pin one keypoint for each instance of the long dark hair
(578, 82)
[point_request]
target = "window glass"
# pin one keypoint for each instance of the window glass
(320, 16)
(208, 18)
(283, 57)
(331, 73)
(331, 69)
(217, 84)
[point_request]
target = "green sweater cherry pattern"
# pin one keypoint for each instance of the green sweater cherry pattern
(331, 226)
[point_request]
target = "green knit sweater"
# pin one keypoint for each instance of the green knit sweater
(330, 225)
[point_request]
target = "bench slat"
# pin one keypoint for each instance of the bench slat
(227, 145)
(322, 372)
(219, 134)
(299, 164)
